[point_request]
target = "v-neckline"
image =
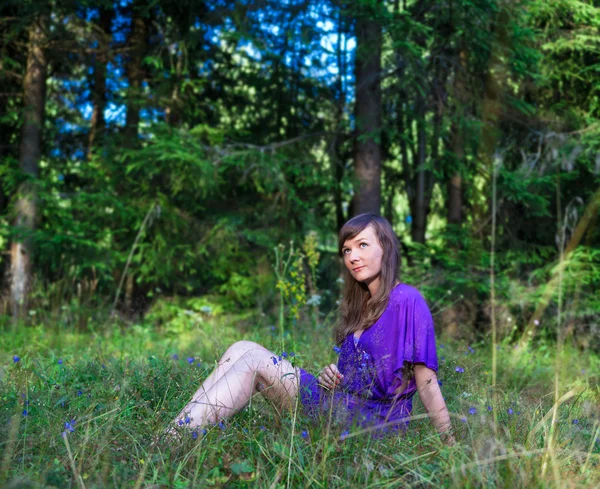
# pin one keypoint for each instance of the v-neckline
(356, 339)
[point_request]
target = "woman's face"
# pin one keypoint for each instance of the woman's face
(362, 257)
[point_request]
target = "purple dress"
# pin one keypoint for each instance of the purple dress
(373, 366)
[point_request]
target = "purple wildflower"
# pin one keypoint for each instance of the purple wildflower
(575, 421)
(460, 369)
(344, 435)
(489, 408)
(25, 412)
(463, 419)
(79, 393)
(510, 411)
(305, 434)
(221, 425)
(190, 360)
(472, 411)
(175, 356)
(194, 435)
(187, 420)
(60, 362)
(262, 428)
(70, 426)
(16, 358)
(274, 360)
(198, 365)
(284, 354)
(180, 422)
(292, 354)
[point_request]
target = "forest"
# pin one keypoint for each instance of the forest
(173, 177)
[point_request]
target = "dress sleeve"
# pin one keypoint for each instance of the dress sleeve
(410, 339)
(416, 341)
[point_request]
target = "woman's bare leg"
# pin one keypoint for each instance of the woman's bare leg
(227, 360)
(233, 389)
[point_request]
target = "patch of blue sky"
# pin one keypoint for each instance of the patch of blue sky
(152, 115)
(86, 109)
(66, 126)
(115, 114)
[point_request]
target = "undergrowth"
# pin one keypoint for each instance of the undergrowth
(84, 409)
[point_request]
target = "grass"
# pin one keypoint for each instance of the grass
(117, 387)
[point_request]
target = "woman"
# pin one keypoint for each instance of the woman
(386, 343)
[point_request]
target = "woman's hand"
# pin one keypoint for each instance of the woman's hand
(330, 377)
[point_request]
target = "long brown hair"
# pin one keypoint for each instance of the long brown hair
(358, 309)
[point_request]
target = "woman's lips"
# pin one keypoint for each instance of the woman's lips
(358, 268)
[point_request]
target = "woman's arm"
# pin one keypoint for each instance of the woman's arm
(431, 397)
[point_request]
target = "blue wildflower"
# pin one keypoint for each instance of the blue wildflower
(463, 419)
(510, 411)
(292, 354)
(471, 349)
(274, 360)
(198, 365)
(337, 349)
(70, 426)
(190, 360)
(575, 421)
(472, 411)
(79, 393)
(344, 435)
(187, 420)
(262, 428)
(16, 358)
(194, 435)
(460, 369)
(25, 412)
(180, 422)
(221, 425)
(305, 434)
(60, 362)
(489, 408)
(284, 354)
(175, 356)
(204, 431)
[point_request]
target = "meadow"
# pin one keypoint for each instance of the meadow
(85, 407)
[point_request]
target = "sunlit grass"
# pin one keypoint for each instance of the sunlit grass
(83, 410)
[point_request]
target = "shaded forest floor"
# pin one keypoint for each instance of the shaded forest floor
(82, 409)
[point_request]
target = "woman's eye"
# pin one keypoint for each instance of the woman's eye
(365, 244)
(345, 252)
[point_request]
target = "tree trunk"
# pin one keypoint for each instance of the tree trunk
(34, 98)
(367, 158)
(98, 123)
(455, 183)
(337, 162)
(419, 207)
(135, 74)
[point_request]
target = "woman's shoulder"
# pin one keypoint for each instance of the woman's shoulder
(404, 293)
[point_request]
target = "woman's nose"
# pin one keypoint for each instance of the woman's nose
(354, 256)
